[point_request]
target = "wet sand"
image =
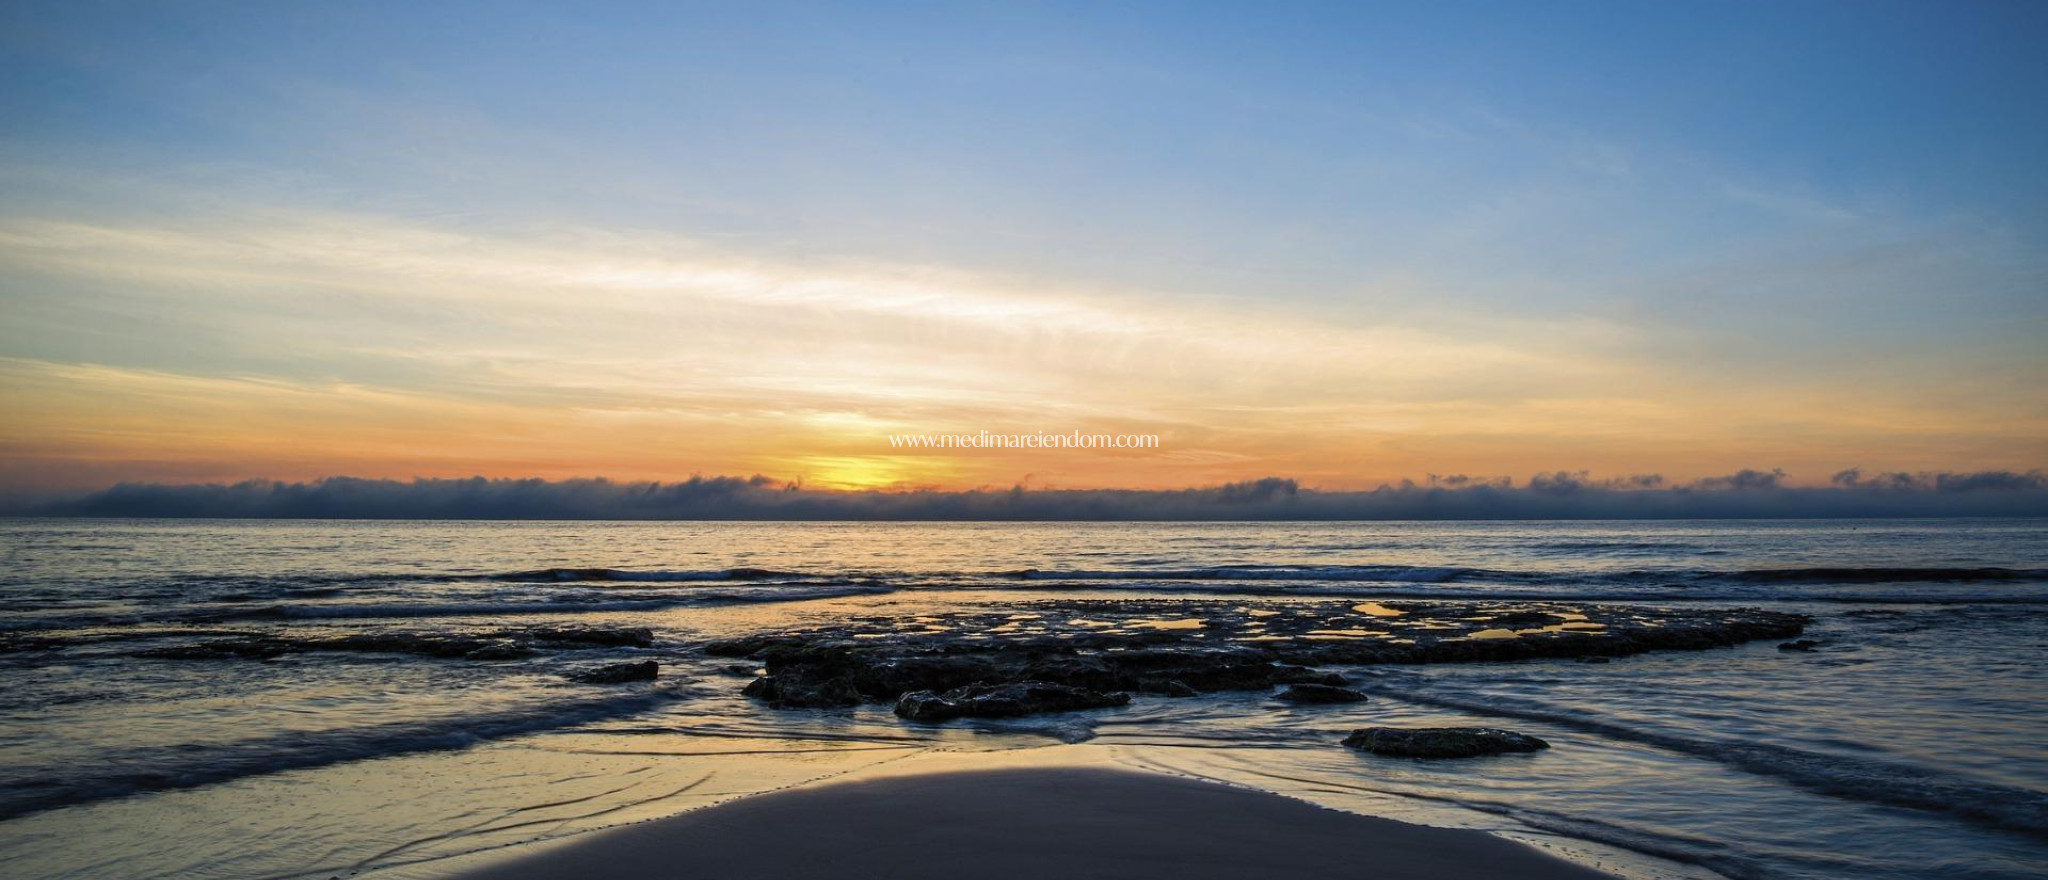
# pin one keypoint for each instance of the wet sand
(1034, 823)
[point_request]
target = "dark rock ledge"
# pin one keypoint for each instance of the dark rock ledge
(1182, 648)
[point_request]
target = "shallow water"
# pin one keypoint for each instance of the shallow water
(1908, 745)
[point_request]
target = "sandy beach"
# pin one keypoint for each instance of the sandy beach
(1035, 822)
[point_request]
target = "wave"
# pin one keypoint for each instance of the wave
(1395, 573)
(1878, 575)
(320, 584)
(601, 589)
(174, 767)
(1567, 592)
(620, 574)
(324, 611)
(1440, 574)
(1880, 782)
(310, 583)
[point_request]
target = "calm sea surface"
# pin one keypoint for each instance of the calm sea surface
(1909, 745)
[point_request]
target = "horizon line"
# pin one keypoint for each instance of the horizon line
(1561, 495)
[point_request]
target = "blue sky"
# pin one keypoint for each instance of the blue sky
(1759, 211)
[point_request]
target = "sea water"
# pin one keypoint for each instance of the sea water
(1908, 744)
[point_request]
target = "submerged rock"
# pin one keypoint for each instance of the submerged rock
(618, 673)
(1441, 742)
(1800, 645)
(1003, 701)
(1321, 693)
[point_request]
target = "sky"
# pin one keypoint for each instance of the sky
(1344, 243)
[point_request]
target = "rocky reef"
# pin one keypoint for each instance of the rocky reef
(1109, 648)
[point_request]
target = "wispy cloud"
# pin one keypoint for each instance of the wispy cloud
(302, 343)
(294, 325)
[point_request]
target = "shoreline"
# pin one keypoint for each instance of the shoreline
(1030, 820)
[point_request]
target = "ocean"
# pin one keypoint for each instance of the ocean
(142, 736)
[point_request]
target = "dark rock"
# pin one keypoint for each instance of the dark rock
(885, 679)
(1800, 645)
(748, 646)
(1596, 660)
(744, 669)
(1441, 742)
(1003, 701)
(618, 673)
(623, 637)
(794, 692)
(1071, 669)
(880, 658)
(1514, 619)
(1321, 693)
(1163, 670)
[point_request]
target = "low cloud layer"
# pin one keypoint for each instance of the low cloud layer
(1558, 495)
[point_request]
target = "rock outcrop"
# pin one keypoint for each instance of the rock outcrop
(1179, 648)
(1441, 742)
(618, 673)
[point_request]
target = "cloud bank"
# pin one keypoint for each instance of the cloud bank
(1557, 495)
